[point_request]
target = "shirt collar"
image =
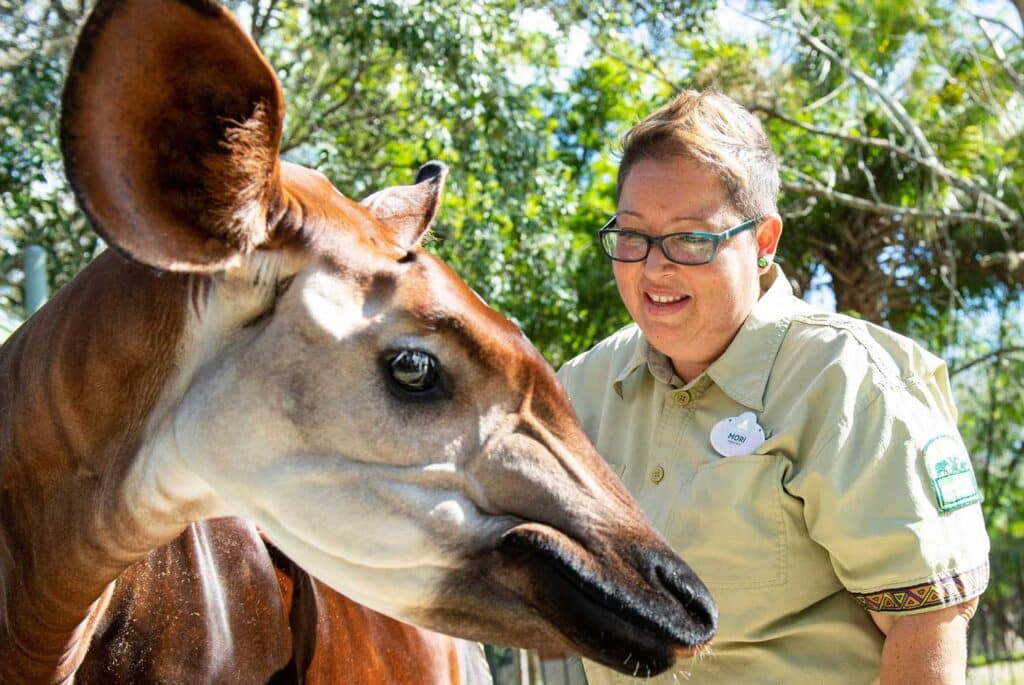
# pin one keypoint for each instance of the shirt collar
(741, 371)
(636, 360)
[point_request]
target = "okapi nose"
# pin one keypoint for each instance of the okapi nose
(630, 599)
(678, 581)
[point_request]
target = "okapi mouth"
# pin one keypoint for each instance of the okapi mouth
(635, 615)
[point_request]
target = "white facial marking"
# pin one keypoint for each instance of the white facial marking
(338, 316)
(167, 489)
(449, 513)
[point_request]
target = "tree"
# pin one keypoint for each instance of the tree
(35, 206)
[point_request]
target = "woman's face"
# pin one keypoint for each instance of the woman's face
(689, 313)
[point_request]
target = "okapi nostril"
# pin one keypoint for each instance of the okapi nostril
(695, 600)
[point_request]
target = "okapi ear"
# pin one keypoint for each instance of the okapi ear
(409, 210)
(170, 131)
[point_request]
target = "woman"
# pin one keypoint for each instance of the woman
(806, 464)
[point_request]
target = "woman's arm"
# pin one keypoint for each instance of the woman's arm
(926, 649)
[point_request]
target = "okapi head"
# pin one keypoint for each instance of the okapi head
(324, 376)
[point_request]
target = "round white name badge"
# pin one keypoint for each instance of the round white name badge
(737, 435)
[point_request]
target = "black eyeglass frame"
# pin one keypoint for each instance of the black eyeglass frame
(716, 238)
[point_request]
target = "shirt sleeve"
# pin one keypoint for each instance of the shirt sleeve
(891, 494)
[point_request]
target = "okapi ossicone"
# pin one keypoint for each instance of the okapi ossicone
(266, 395)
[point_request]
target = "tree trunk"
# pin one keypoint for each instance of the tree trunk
(863, 266)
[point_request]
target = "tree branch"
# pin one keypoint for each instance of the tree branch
(14, 57)
(1012, 260)
(1002, 352)
(315, 120)
(982, 197)
(62, 13)
(1015, 78)
(883, 209)
(261, 20)
(999, 22)
(903, 119)
(650, 70)
(883, 143)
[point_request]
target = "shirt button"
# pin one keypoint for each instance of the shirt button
(683, 398)
(657, 474)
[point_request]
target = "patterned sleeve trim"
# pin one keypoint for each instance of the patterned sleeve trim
(944, 591)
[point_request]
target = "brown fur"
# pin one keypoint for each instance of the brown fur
(165, 618)
(70, 422)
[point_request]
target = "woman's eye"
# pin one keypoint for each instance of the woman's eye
(691, 239)
(414, 370)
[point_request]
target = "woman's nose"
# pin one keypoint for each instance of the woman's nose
(656, 260)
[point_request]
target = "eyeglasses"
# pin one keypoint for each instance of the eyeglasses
(691, 248)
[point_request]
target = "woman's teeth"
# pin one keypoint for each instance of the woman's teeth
(666, 299)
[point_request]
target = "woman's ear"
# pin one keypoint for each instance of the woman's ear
(170, 130)
(768, 234)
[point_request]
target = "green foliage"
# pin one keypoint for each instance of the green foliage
(374, 89)
(35, 206)
(983, 343)
(394, 85)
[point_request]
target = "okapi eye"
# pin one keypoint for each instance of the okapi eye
(414, 371)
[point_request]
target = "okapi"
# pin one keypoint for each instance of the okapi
(266, 394)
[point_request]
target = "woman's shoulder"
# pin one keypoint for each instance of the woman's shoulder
(839, 360)
(621, 344)
(822, 339)
(605, 360)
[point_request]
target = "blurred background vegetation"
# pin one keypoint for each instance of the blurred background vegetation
(898, 124)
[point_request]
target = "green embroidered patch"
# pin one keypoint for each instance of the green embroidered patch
(949, 469)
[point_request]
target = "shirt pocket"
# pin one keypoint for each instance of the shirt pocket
(728, 522)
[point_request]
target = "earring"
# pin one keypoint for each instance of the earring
(762, 261)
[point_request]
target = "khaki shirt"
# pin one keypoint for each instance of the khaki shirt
(860, 497)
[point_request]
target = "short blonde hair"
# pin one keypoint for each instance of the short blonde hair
(721, 136)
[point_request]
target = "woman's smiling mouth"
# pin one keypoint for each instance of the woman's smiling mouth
(661, 303)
